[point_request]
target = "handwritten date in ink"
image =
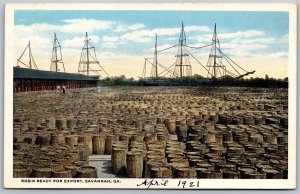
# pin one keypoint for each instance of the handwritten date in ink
(188, 184)
(153, 183)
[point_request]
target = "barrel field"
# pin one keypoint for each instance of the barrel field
(155, 132)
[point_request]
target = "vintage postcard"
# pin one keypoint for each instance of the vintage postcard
(150, 96)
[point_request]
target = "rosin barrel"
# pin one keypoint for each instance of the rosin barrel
(73, 169)
(185, 172)
(57, 138)
(71, 140)
(87, 172)
(62, 174)
(61, 124)
(231, 174)
(134, 164)
(171, 126)
(21, 172)
(109, 141)
(118, 159)
(161, 172)
(99, 144)
(211, 174)
(43, 172)
(87, 140)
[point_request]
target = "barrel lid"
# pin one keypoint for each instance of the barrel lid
(160, 168)
(43, 169)
(62, 171)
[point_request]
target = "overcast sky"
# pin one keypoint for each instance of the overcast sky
(255, 40)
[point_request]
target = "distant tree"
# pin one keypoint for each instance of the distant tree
(266, 77)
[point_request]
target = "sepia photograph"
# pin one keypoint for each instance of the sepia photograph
(150, 96)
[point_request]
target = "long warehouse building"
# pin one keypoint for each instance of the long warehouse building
(26, 80)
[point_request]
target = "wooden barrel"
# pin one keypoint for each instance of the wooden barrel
(281, 139)
(254, 175)
(87, 140)
(259, 120)
(71, 123)
(162, 138)
(214, 118)
(219, 138)
(99, 144)
(42, 140)
(57, 166)
(61, 124)
(84, 154)
(29, 139)
(125, 137)
(270, 138)
(21, 172)
(137, 145)
(151, 163)
(193, 161)
(161, 172)
(110, 139)
(50, 123)
(219, 150)
(256, 138)
(118, 159)
(231, 174)
(244, 170)
(248, 120)
(237, 121)
(211, 174)
(272, 173)
(120, 144)
(181, 130)
(137, 137)
(199, 171)
(225, 166)
(227, 137)
(185, 172)
(71, 140)
(57, 138)
(62, 174)
(134, 164)
(193, 137)
(171, 126)
(209, 137)
(208, 166)
(17, 146)
(235, 149)
(149, 137)
(87, 172)
(138, 124)
(73, 170)
(43, 172)
(191, 144)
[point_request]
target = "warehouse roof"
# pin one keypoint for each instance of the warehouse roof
(25, 73)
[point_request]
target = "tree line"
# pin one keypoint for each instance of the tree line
(196, 80)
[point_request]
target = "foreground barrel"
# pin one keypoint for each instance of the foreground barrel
(134, 164)
(110, 139)
(118, 159)
(42, 173)
(87, 172)
(99, 145)
(62, 174)
(161, 172)
(21, 172)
